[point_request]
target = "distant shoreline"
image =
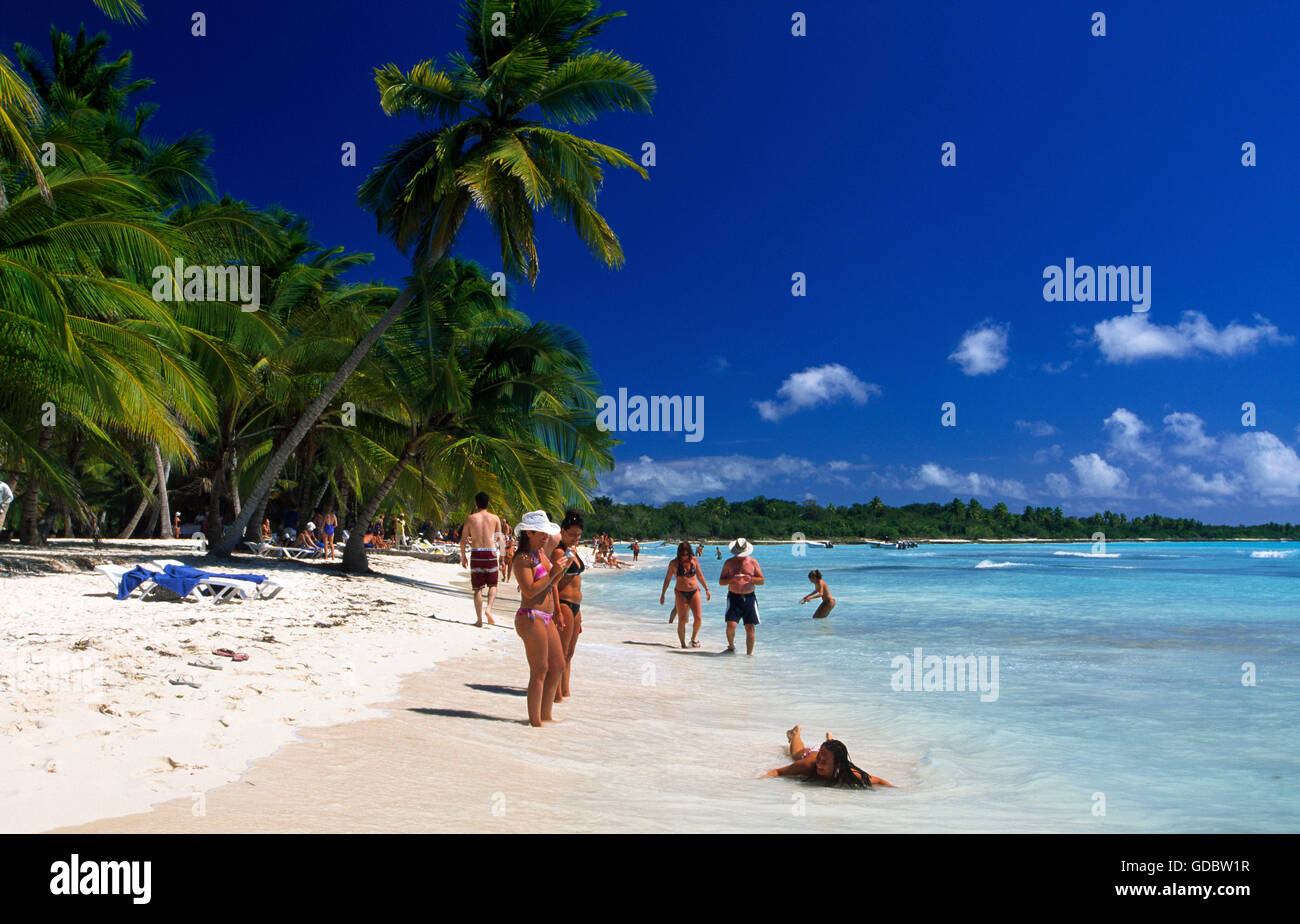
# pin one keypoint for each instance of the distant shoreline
(860, 541)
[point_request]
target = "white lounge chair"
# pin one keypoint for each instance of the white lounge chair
(265, 590)
(221, 588)
(114, 573)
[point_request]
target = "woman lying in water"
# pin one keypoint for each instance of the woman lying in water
(829, 764)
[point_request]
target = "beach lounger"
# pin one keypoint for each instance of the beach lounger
(264, 590)
(115, 573)
(298, 554)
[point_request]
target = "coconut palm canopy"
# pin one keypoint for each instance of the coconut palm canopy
(121, 402)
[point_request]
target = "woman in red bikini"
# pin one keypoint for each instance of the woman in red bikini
(686, 568)
(537, 575)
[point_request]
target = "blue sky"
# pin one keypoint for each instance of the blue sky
(820, 155)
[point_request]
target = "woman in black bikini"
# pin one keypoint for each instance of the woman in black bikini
(686, 568)
(570, 585)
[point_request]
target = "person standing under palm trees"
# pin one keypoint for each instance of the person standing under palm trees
(478, 553)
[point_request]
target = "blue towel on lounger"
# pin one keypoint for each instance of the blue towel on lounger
(182, 579)
(133, 579)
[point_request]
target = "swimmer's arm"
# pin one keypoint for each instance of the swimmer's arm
(798, 768)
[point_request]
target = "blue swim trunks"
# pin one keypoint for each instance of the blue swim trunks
(742, 606)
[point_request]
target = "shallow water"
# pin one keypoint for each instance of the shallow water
(1118, 687)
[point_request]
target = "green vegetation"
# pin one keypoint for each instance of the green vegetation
(765, 518)
(119, 405)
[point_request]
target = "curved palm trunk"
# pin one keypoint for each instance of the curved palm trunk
(30, 534)
(234, 534)
(164, 510)
(145, 500)
(354, 553)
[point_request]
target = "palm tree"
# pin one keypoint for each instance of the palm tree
(20, 108)
(490, 154)
(497, 403)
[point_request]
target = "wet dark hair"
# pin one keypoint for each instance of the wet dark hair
(571, 518)
(481, 500)
(684, 550)
(814, 575)
(845, 772)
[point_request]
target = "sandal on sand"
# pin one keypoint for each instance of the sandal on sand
(204, 662)
(695, 643)
(232, 655)
(184, 681)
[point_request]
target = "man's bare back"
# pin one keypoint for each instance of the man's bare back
(482, 530)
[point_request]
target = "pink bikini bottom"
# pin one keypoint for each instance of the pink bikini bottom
(534, 614)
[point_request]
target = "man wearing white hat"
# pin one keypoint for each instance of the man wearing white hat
(740, 575)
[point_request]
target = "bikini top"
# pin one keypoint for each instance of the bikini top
(687, 570)
(540, 570)
(577, 564)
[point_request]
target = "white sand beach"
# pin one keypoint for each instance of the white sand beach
(93, 729)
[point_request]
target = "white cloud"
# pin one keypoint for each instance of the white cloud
(1132, 337)
(656, 482)
(1058, 368)
(933, 475)
(1059, 485)
(1036, 427)
(1126, 430)
(1268, 466)
(1097, 477)
(1216, 486)
(813, 386)
(983, 349)
(1189, 430)
(1051, 452)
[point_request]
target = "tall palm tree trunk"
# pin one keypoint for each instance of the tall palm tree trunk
(234, 534)
(354, 553)
(164, 510)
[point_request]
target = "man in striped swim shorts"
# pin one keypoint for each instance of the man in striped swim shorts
(478, 553)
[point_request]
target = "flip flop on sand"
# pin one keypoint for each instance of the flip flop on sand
(232, 655)
(204, 662)
(695, 643)
(184, 681)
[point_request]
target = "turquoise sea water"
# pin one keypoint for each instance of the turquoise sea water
(1119, 688)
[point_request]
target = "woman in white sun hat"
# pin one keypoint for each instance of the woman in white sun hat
(537, 574)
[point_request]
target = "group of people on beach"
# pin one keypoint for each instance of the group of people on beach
(741, 574)
(548, 571)
(320, 531)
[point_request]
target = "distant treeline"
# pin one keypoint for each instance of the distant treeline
(766, 518)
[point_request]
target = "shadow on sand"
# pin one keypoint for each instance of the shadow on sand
(495, 688)
(466, 714)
